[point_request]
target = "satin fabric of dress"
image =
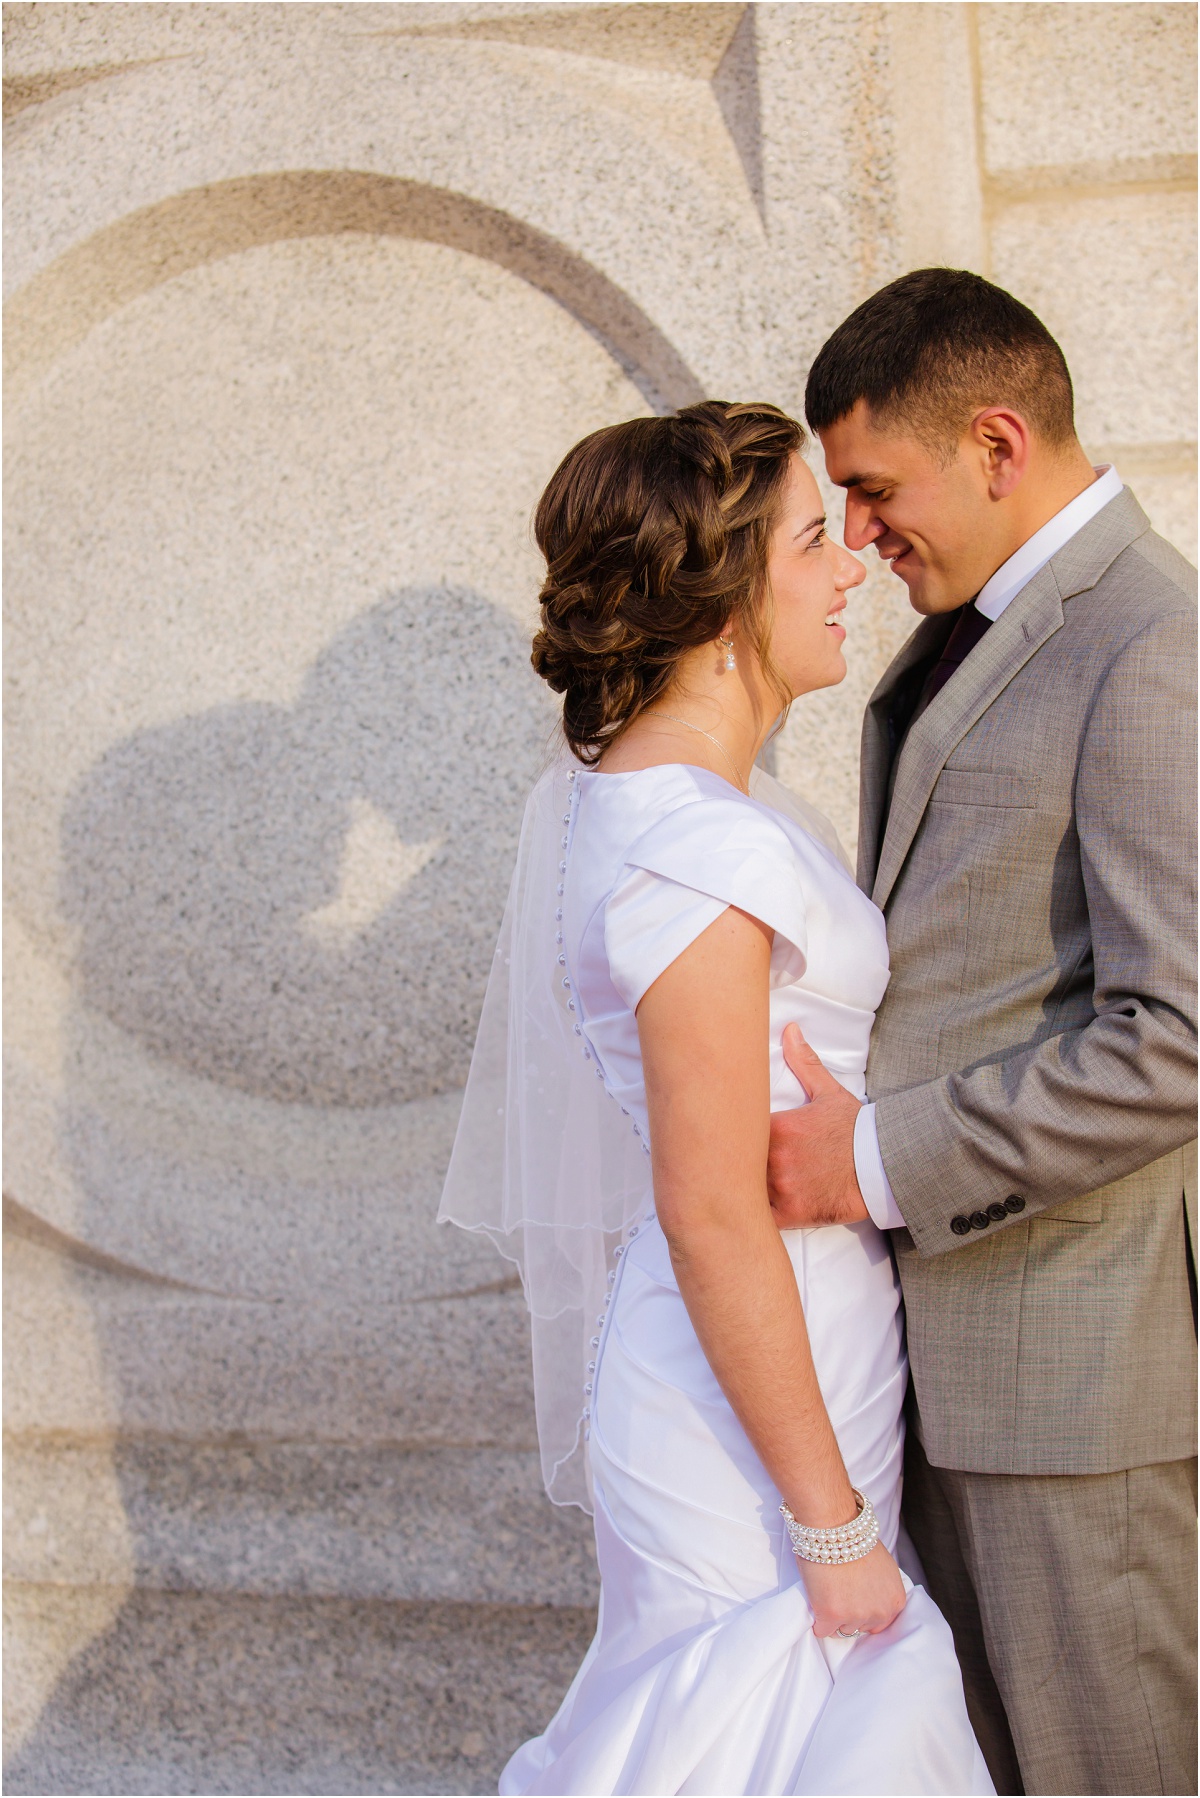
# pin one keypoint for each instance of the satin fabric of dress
(705, 1675)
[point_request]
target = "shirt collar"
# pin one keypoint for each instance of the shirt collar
(1033, 555)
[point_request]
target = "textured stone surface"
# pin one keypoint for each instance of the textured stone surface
(1105, 273)
(618, 189)
(93, 1349)
(197, 1694)
(1087, 92)
(937, 210)
(262, 799)
(684, 37)
(304, 304)
(236, 1515)
(1166, 487)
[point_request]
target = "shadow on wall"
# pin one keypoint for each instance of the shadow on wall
(302, 903)
(299, 1374)
(302, 1694)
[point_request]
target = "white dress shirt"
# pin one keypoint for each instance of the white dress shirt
(999, 592)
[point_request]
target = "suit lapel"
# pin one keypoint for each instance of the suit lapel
(1020, 631)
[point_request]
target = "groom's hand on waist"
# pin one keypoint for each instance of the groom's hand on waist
(810, 1167)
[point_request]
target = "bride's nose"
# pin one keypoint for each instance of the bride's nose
(850, 572)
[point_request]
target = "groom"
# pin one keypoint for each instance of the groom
(1027, 826)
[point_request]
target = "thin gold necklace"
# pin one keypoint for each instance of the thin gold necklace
(715, 741)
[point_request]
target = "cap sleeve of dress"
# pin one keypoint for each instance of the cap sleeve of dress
(682, 874)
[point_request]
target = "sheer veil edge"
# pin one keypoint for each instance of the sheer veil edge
(544, 1161)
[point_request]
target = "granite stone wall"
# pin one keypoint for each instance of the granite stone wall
(303, 305)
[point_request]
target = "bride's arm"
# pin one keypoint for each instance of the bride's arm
(704, 1028)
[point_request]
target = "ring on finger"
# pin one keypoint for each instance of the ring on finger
(848, 1634)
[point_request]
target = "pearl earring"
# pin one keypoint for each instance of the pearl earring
(726, 643)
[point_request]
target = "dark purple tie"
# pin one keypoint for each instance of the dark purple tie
(969, 628)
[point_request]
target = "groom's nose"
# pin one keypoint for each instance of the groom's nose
(862, 526)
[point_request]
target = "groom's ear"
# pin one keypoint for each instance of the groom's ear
(998, 442)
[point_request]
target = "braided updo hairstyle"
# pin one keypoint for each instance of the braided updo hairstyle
(656, 535)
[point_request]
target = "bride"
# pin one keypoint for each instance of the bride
(727, 1398)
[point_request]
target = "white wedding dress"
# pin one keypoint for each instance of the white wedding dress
(705, 1675)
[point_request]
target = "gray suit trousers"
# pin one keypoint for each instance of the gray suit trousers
(1072, 1598)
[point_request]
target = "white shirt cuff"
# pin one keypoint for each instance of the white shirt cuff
(873, 1182)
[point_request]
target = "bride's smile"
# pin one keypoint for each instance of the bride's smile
(809, 575)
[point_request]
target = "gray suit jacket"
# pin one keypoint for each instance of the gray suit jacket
(1035, 1050)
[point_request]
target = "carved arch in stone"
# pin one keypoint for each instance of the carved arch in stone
(65, 300)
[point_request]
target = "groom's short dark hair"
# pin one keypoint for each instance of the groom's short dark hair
(930, 349)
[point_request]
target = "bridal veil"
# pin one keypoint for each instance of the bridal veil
(544, 1160)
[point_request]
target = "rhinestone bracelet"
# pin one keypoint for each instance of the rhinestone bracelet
(847, 1542)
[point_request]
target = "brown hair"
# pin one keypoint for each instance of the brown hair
(930, 348)
(656, 535)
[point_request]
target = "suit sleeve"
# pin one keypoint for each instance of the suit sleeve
(1090, 1105)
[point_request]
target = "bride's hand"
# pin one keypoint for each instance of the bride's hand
(863, 1596)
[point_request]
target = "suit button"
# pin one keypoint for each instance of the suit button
(961, 1226)
(996, 1211)
(980, 1220)
(1014, 1203)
